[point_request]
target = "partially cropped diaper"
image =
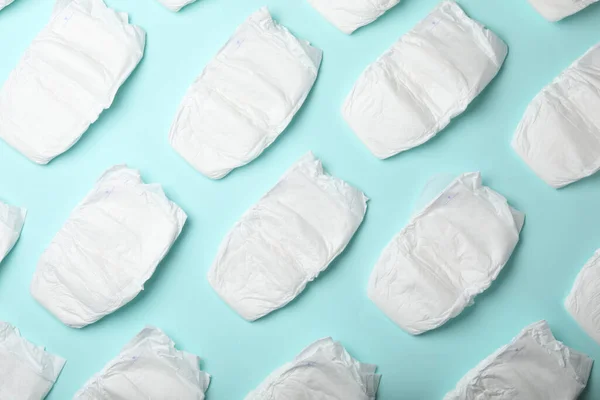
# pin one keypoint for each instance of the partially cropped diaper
(559, 135)
(583, 303)
(108, 248)
(349, 15)
(245, 97)
(450, 251)
(323, 371)
(286, 239)
(175, 5)
(148, 367)
(27, 372)
(534, 366)
(69, 74)
(11, 223)
(555, 10)
(4, 3)
(429, 76)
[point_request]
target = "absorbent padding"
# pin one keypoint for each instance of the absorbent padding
(349, 15)
(4, 3)
(555, 10)
(245, 97)
(286, 239)
(148, 367)
(11, 224)
(583, 303)
(27, 372)
(175, 5)
(534, 366)
(429, 76)
(108, 248)
(449, 252)
(559, 135)
(324, 371)
(69, 74)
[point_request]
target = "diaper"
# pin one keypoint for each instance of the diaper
(450, 251)
(148, 367)
(324, 371)
(27, 372)
(286, 239)
(245, 97)
(11, 223)
(429, 76)
(108, 248)
(559, 135)
(583, 302)
(69, 74)
(349, 15)
(534, 366)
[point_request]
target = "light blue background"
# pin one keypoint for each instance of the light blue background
(561, 231)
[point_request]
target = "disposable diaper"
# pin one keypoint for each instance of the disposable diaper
(349, 15)
(4, 3)
(559, 135)
(534, 366)
(175, 5)
(322, 371)
(69, 74)
(27, 372)
(148, 367)
(450, 251)
(286, 239)
(555, 10)
(583, 303)
(429, 76)
(108, 248)
(11, 223)
(245, 97)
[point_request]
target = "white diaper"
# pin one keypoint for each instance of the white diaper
(555, 10)
(583, 303)
(349, 15)
(449, 252)
(27, 372)
(424, 80)
(534, 366)
(286, 239)
(559, 135)
(4, 3)
(11, 224)
(148, 367)
(108, 248)
(175, 5)
(245, 97)
(69, 74)
(324, 371)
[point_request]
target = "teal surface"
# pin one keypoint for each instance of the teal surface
(561, 231)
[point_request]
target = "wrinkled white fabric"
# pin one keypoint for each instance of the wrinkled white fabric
(27, 372)
(245, 97)
(555, 10)
(559, 135)
(534, 366)
(175, 5)
(583, 303)
(349, 15)
(4, 3)
(148, 367)
(322, 371)
(69, 74)
(11, 224)
(449, 252)
(429, 76)
(108, 248)
(286, 239)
